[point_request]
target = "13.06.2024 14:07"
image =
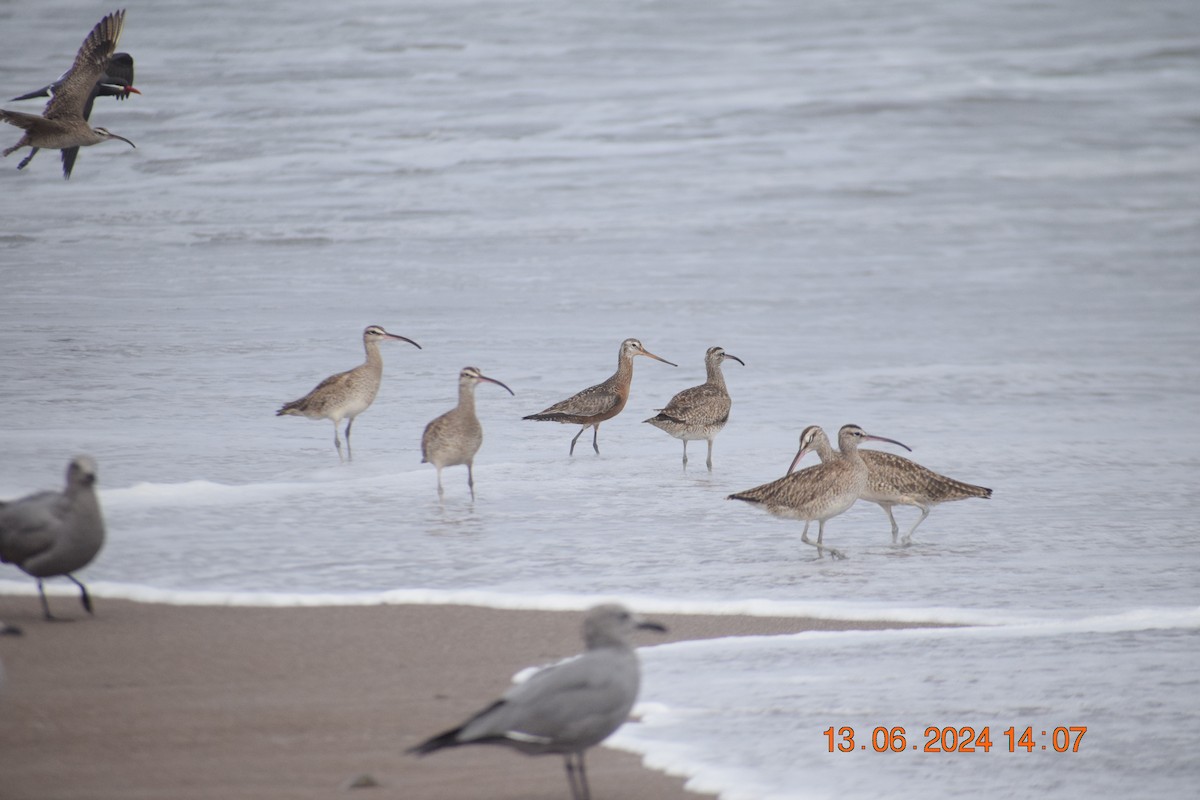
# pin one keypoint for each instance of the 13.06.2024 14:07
(965, 739)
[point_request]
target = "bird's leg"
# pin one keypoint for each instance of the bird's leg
(710, 455)
(45, 605)
(583, 781)
(895, 528)
(83, 595)
(804, 536)
(337, 441)
(576, 439)
(685, 453)
(349, 453)
(924, 514)
(596, 438)
(577, 777)
(25, 161)
(471, 481)
(440, 491)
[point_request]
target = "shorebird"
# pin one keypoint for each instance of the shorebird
(346, 394)
(600, 402)
(820, 492)
(63, 124)
(565, 708)
(455, 437)
(701, 411)
(894, 480)
(55, 533)
(116, 81)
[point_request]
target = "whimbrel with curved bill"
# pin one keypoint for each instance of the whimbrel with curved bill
(894, 480)
(566, 708)
(701, 411)
(116, 81)
(455, 437)
(820, 492)
(63, 124)
(600, 402)
(346, 394)
(55, 533)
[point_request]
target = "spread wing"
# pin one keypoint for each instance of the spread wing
(76, 86)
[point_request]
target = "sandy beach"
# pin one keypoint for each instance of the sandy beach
(163, 701)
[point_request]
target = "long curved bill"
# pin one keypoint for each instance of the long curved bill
(801, 453)
(498, 383)
(871, 438)
(123, 139)
(735, 358)
(403, 339)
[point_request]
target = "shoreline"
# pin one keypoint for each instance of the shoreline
(157, 700)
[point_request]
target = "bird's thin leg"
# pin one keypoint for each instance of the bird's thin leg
(887, 509)
(471, 481)
(25, 161)
(337, 441)
(576, 439)
(349, 453)
(45, 605)
(685, 452)
(571, 779)
(84, 597)
(924, 513)
(710, 455)
(804, 536)
(596, 438)
(583, 781)
(440, 491)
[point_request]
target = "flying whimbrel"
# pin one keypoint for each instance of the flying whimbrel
(117, 81)
(566, 708)
(602, 401)
(455, 437)
(820, 492)
(55, 533)
(64, 123)
(346, 394)
(894, 480)
(701, 411)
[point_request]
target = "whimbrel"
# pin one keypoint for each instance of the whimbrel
(455, 437)
(600, 402)
(894, 480)
(820, 492)
(566, 708)
(701, 411)
(55, 533)
(63, 124)
(346, 394)
(116, 81)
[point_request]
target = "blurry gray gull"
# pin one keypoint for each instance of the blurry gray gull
(55, 533)
(568, 707)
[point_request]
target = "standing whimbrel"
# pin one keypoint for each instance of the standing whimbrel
(894, 480)
(62, 124)
(346, 394)
(55, 533)
(602, 401)
(566, 708)
(116, 81)
(701, 411)
(455, 437)
(820, 492)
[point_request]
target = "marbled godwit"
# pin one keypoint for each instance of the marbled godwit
(602, 401)
(701, 411)
(820, 492)
(455, 437)
(346, 394)
(116, 81)
(63, 124)
(565, 708)
(894, 480)
(55, 533)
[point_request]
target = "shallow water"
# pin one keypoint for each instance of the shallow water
(969, 228)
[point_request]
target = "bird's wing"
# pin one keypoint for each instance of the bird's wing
(68, 160)
(36, 93)
(20, 118)
(590, 402)
(77, 84)
(27, 526)
(694, 403)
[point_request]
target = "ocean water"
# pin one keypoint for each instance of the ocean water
(971, 227)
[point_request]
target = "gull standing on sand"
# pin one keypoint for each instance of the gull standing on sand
(455, 437)
(894, 480)
(821, 492)
(55, 533)
(565, 708)
(346, 394)
(63, 124)
(603, 401)
(701, 411)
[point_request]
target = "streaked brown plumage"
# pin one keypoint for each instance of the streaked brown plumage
(346, 394)
(456, 436)
(821, 492)
(701, 411)
(603, 401)
(62, 124)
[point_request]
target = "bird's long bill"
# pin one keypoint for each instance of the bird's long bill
(871, 438)
(123, 139)
(735, 358)
(498, 383)
(801, 453)
(403, 339)
(651, 625)
(646, 352)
